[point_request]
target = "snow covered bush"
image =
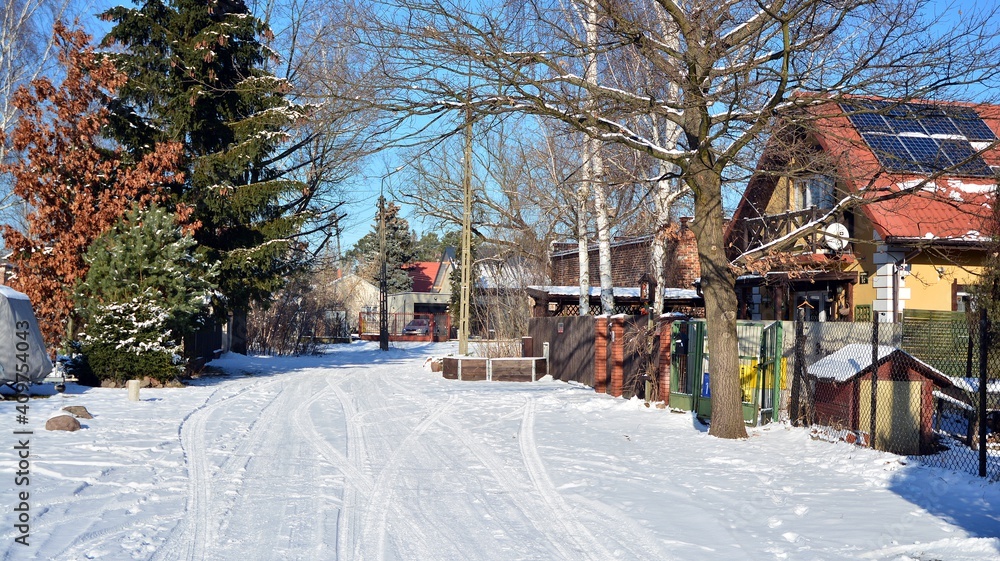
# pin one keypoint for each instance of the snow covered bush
(145, 290)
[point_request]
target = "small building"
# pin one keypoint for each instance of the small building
(631, 261)
(903, 392)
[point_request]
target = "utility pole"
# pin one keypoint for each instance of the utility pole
(463, 304)
(383, 281)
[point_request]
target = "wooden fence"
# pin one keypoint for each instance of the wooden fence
(571, 346)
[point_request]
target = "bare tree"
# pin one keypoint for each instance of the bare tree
(735, 63)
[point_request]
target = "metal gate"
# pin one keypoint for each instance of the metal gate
(760, 369)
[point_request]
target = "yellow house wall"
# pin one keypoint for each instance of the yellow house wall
(929, 284)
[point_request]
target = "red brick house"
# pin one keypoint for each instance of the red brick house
(630, 262)
(917, 180)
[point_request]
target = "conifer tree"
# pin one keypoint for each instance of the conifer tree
(144, 291)
(74, 182)
(196, 75)
(148, 251)
(400, 250)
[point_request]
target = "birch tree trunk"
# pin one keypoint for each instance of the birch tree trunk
(595, 166)
(582, 197)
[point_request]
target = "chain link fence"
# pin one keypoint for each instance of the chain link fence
(928, 387)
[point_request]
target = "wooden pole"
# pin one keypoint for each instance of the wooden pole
(463, 312)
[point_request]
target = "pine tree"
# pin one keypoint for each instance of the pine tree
(144, 291)
(73, 181)
(196, 75)
(400, 250)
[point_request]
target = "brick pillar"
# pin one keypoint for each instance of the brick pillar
(617, 356)
(601, 354)
(663, 368)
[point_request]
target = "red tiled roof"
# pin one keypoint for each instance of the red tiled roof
(951, 207)
(423, 274)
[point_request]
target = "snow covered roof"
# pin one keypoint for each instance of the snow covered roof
(972, 385)
(855, 358)
(619, 292)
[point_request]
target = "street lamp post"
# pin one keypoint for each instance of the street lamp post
(383, 282)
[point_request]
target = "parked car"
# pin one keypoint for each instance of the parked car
(417, 326)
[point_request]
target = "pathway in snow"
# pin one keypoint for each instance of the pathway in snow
(362, 455)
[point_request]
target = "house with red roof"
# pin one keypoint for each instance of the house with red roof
(430, 294)
(868, 206)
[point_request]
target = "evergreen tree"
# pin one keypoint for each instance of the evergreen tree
(400, 251)
(196, 75)
(145, 290)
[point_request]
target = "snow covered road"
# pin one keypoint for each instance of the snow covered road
(363, 455)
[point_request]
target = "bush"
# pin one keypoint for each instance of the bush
(129, 341)
(109, 363)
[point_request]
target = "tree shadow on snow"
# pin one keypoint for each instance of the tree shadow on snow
(969, 502)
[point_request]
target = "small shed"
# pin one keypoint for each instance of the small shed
(897, 390)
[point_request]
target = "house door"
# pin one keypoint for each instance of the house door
(814, 303)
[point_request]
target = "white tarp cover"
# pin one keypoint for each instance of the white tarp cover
(22, 350)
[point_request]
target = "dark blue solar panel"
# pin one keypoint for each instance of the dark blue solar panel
(891, 153)
(863, 119)
(965, 159)
(905, 123)
(911, 137)
(971, 124)
(940, 125)
(926, 152)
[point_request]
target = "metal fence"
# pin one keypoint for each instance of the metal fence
(928, 387)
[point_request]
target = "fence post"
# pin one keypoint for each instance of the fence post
(871, 433)
(601, 354)
(663, 364)
(617, 356)
(984, 344)
(800, 383)
(527, 346)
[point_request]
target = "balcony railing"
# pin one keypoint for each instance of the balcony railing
(751, 233)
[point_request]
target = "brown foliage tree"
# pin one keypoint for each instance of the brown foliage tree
(74, 183)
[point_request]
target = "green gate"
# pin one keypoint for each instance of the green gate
(761, 369)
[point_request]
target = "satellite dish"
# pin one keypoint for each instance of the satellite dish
(835, 236)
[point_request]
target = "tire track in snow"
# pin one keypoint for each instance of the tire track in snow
(373, 529)
(197, 528)
(587, 546)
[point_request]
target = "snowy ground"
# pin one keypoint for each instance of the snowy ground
(359, 454)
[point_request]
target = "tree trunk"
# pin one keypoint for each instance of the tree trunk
(595, 170)
(719, 288)
(661, 198)
(582, 194)
(596, 165)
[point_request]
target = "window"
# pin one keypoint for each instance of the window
(817, 191)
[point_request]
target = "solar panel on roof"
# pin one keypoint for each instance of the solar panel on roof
(891, 153)
(926, 152)
(920, 137)
(965, 159)
(971, 124)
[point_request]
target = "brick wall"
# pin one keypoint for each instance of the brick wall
(601, 354)
(630, 259)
